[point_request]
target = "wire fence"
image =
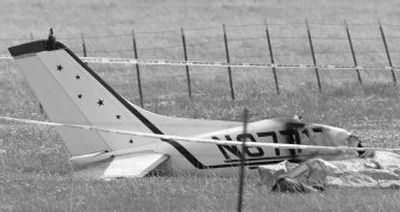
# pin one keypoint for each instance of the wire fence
(353, 44)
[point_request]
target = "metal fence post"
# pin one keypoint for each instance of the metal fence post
(83, 45)
(313, 56)
(352, 52)
(228, 61)
(242, 161)
(137, 69)
(186, 59)
(271, 55)
(387, 53)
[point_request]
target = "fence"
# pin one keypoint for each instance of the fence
(317, 40)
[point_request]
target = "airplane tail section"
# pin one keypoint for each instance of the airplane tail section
(71, 92)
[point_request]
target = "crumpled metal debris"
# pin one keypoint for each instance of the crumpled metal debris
(377, 169)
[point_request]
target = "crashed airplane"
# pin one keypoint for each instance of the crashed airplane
(71, 92)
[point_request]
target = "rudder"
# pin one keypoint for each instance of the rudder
(71, 92)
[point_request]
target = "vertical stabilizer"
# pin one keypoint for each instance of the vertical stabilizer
(71, 92)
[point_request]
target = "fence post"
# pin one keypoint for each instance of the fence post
(387, 53)
(83, 45)
(228, 61)
(272, 58)
(313, 56)
(352, 52)
(137, 69)
(186, 66)
(31, 35)
(242, 161)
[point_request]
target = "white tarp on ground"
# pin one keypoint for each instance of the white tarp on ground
(377, 169)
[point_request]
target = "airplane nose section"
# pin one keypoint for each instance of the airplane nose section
(342, 137)
(326, 135)
(355, 142)
(337, 136)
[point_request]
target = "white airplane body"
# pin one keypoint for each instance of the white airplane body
(71, 92)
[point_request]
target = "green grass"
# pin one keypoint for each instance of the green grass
(35, 174)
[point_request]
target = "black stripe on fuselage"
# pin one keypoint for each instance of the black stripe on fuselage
(281, 158)
(249, 163)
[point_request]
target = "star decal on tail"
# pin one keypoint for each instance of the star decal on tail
(100, 102)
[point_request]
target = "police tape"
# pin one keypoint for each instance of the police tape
(165, 62)
(193, 139)
(107, 60)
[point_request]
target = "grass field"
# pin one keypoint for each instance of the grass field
(35, 174)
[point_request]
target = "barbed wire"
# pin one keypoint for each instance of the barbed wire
(159, 48)
(193, 47)
(246, 38)
(266, 53)
(199, 47)
(209, 28)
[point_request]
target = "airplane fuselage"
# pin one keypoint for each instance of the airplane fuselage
(217, 158)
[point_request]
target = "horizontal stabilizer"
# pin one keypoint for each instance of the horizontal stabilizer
(133, 165)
